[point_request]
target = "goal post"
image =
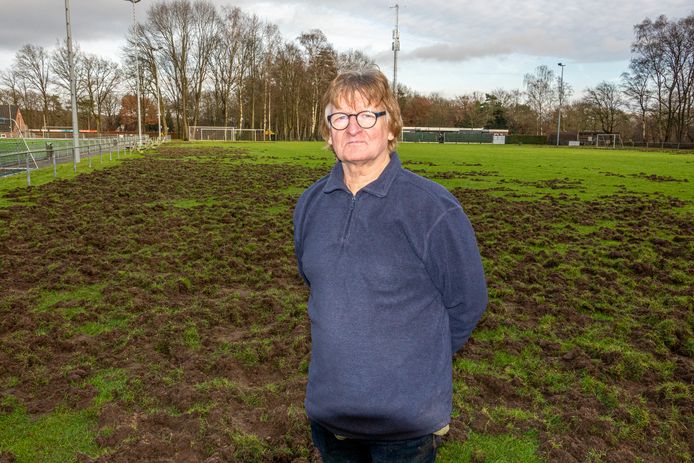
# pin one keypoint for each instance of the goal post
(608, 140)
(217, 133)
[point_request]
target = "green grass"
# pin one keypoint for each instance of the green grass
(55, 437)
(74, 298)
(110, 383)
(590, 173)
(502, 448)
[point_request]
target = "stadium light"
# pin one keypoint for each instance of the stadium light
(137, 79)
(561, 96)
(396, 49)
(73, 90)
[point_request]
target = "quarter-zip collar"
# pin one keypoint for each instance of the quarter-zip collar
(379, 187)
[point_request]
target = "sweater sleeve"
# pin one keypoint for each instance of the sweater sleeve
(455, 266)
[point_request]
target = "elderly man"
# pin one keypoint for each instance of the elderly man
(396, 281)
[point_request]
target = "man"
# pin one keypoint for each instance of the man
(396, 283)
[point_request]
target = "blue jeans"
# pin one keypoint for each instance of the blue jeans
(334, 450)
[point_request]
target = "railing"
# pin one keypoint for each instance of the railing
(18, 155)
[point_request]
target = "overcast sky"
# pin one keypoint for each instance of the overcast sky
(447, 46)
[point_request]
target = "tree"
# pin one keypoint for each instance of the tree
(637, 92)
(249, 53)
(415, 110)
(224, 66)
(186, 34)
(289, 73)
(605, 101)
(32, 64)
(468, 110)
(128, 112)
(10, 79)
(663, 51)
(541, 94)
(60, 66)
(101, 78)
(273, 41)
(494, 112)
(321, 68)
(354, 60)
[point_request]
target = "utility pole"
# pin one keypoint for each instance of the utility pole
(137, 76)
(73, 90)
(396, 49)
(561, 97)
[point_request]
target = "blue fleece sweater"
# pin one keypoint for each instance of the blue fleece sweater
(397, 287)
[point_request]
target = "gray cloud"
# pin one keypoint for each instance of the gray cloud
(440, 34)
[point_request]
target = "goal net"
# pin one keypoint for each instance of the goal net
(608, 140)
(200, 133)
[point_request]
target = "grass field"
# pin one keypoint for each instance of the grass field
(151, 310)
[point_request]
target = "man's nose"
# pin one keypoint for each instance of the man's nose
(353, 126)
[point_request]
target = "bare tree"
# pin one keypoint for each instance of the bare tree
(61, 68)
(638, 95)
(289, 73)
(206, 25)
(605, 101)
(224, 65)
(663, 50)
(151, 59)
(250, 53)
(541, 94)
(354, 59)
(11, 81)
(321, 68)
(187, 34)
(468, 110)
(101, 78)
(33, 66)
(273, 41)
(96, 79)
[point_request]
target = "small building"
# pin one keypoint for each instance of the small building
(451, 134)
(12, 123)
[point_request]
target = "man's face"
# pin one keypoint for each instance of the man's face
(358, 145)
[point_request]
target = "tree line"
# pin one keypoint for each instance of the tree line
(202, 65)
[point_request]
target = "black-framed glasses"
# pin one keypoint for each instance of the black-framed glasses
(365, 119)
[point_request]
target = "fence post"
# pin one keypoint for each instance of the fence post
(89, 155)
(51, 156)
(28, 173)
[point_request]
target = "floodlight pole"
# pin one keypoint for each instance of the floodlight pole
(73, 90)
(137, 78)
(396, 49)
(156, 83)
(561, 96)
(156, 78)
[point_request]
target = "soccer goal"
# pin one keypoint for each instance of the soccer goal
(199, 133)
(608, 140)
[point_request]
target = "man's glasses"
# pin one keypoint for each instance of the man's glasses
(365, 119)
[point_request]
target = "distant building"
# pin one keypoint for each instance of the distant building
(11, 121)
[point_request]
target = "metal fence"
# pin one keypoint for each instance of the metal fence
(24, 155)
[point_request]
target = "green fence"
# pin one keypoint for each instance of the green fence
(422, 136)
